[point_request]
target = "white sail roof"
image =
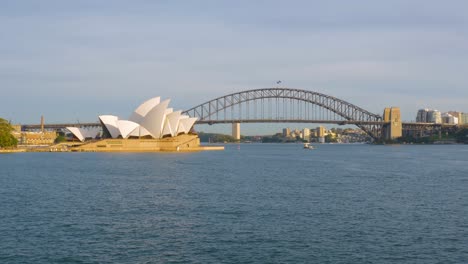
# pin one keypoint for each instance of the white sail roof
(154, 119)
(143, 109)
(180, 126)
(172, 121)
(187, 124)
(77, 133)
(110, 122)
(126, 127)
(166, 129)
(140, 132)
(83, 133)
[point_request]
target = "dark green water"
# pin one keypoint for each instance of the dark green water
(264, 203)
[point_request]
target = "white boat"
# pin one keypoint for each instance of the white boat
(308, 146)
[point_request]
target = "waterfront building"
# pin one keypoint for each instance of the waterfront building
(456, 114)
(449, 119)
(296, 132)
(306, 133)
(35, 138)
(320, 131)
(313, 133)
(434, 116)
(293, 134)
(429, 116)
(152, 119)
(286, 132)
(421, 116)
(464, 119)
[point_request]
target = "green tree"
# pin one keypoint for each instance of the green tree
(277, 138)
(60, 139)
(215, 138)
(6, 138)
(329, 138)
(462, 135)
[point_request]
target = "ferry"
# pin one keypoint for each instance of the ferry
(308, 146)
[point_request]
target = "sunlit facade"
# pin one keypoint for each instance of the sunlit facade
(152, 119)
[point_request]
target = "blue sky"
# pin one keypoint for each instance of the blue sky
(74, 60)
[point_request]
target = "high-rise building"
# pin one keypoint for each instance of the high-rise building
(429, 116)
(434, 116)
(422, 115)
(464, 119)
(286, 132)
(320, 131)
(305, 134)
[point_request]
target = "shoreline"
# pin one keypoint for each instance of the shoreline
(182, 143)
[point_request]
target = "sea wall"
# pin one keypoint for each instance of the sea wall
(178, 143)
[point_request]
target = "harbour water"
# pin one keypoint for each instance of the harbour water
(252, 203)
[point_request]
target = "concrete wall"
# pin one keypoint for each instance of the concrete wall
(179, 143)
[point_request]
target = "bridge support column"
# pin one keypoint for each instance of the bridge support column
(236, 130)
(394, 128)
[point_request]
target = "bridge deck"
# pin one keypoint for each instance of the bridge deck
(338, 122)
(351, 122)
(58, 126)
(346, 122)
(212, 122)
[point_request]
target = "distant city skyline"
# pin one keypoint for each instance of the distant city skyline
(73, 61)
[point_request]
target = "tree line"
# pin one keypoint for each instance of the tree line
(6, 138)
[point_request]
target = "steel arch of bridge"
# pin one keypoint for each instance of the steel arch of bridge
(223, 109)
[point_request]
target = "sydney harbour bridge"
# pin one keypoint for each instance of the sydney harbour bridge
(288, 105)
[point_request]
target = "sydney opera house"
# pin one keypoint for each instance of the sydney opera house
(153, 126)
